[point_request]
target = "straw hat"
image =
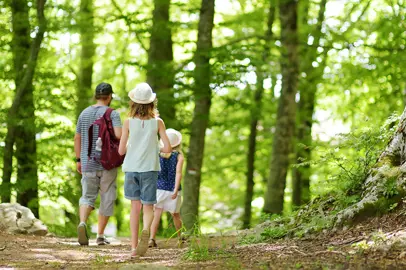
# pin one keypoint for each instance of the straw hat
(142, 94)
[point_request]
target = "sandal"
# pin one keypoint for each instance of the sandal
(152, 243)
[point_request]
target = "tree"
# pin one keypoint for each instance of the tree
(22, 122)
(306, 106)
(262, 67)
(160, 73)
(285, 121)
(202, 97)
(86, 27)
(84, 77)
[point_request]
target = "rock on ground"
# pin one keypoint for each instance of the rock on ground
(18, 219)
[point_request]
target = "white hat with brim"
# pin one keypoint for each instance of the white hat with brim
(174, 136)
(142, 94)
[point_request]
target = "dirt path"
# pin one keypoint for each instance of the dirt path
(379, 244)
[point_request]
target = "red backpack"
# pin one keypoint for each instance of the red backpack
(110, 158)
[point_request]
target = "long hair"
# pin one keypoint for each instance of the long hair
(143, 110)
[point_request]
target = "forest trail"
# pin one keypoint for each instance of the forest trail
(379, 243)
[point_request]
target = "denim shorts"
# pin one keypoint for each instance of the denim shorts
(141, 186)
(103, 182)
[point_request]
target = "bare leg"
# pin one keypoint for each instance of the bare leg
(155, 222)
(135, 222)
(148, 211)
(102, 222)
(178, 222)
(84, 212)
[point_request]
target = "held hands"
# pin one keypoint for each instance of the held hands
(174, 195)
(165, 155)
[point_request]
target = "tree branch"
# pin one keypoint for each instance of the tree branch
(128, 23)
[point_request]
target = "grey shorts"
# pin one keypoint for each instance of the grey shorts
(103, 182)
(141, 186)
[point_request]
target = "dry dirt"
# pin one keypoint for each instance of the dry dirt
(366, 246)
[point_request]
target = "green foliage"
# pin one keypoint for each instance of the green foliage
(352, 158)
(274, 232)
(362, 83)
(390, 188)
(350, 162)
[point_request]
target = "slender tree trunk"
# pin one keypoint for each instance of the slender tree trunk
(23, 96)
(21, 50)
(84, 91)
(285, 121)
(202, 95)
(255, 116)
(307, 88)
(26, 148)
(160, 72)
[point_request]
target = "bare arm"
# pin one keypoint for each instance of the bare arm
(118, 132)
(77, 143)
(179, 169)
(122, 149)
(162, 133)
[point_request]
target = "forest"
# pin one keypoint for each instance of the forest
(285, 106)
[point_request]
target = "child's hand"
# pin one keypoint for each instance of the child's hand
(165, 155)
(174, 195)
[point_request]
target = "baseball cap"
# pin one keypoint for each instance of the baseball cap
(104, 89)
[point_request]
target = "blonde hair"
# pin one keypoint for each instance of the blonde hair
(178, 148)
(143, 110)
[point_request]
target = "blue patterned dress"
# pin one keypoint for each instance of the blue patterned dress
(167, 175)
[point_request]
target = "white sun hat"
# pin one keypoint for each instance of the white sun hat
(142, 94)
(174, 136)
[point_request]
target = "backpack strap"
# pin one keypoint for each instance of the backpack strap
(109, 122)
(107, 114)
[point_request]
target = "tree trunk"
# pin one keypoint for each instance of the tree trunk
(307, 88)
(17, 122)
(285, 121)
(160, 72)
(84, 91)
(202, 95)
(386, 182)
(262, 66)
(21, 50)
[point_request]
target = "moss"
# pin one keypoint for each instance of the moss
(393, 160)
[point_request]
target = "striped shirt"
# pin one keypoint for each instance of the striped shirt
(86, 118)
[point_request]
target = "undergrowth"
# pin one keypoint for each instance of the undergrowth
(199, 248)
(348, 163)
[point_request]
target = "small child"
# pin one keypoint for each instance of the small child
(169, 178)
(139, 142)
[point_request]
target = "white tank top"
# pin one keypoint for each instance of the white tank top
(142, 147)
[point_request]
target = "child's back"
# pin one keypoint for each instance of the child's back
(142, 148)
(167, 175)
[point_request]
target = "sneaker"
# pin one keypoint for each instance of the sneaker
(152, 243)
(143, 244)
(83, 239)
(102, 241)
